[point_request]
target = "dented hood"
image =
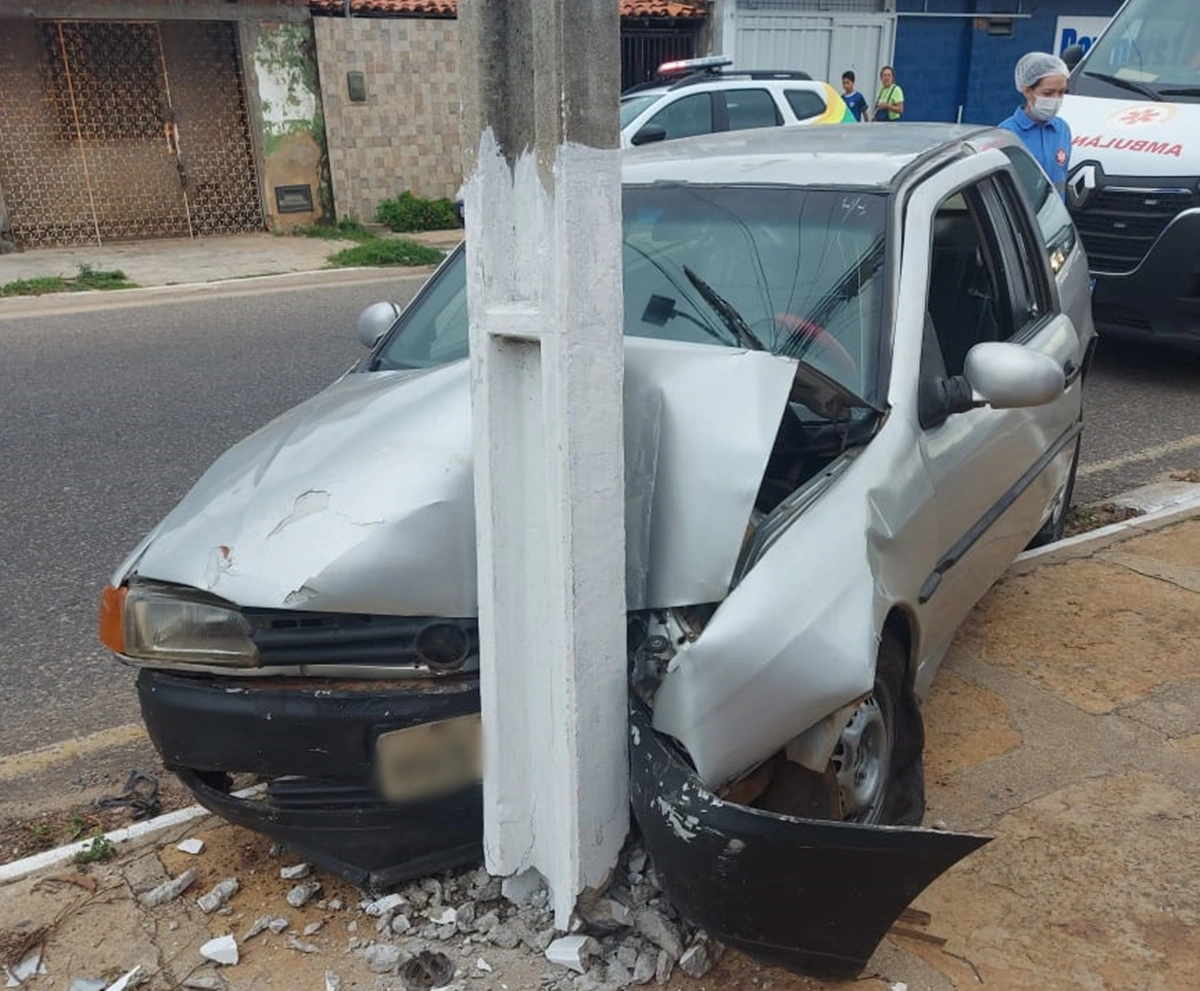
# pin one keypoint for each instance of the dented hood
(361, 499)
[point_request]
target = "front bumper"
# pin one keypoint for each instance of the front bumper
(812, 896)
(314, 740)
(1160, 299)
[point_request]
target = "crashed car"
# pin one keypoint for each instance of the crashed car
(853, 375)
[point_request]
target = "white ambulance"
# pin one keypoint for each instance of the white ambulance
(1134, 185)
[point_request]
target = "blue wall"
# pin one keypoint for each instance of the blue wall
(943, 63)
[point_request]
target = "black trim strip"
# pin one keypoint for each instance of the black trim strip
(981, 526)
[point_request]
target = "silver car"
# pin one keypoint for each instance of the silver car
(853, 382)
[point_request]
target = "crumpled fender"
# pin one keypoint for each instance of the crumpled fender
(813, 896)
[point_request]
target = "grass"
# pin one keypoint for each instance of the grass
(88, 278)
(96, 852)
(386, 251)
(343, 230)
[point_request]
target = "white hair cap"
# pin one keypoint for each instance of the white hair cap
(1036, 66)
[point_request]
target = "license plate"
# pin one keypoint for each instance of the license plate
(429, 760)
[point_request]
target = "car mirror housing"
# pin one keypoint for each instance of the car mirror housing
(375, 321)
(1010, 376)
(1072, 55)
(649, 134)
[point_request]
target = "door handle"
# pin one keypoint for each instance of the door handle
(1071, 371)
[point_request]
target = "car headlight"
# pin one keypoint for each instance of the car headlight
(149, 623)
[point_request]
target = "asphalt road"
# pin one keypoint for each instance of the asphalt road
(110, 415)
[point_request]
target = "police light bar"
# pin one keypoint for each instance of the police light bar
(694, 64)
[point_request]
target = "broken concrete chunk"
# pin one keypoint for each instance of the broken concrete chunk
(401, 925)
(190, 845)
(332, 981)
(221, 892)
(446, 932)
(699, 958)
(504, 936)
(88, 984)
(303, 893)
(539, 941)
(483, 965)
(125, 980)
(574, 952)
(520, 889)
(637, 860)
(382, 958)
(627, 953)
(295, 872)
(223, 951)
(258, 925)
(292, 943)
(275, 850)
(663, 967)
(205, 982)
(645, 967)
(382, 906)
(487, 922)
(335, 905)
(607, 915)
(313, 928)
(169, 891)
(277, 925)
(654, 926)
(443, 917)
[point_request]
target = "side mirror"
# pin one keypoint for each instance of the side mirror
(1010, 376)
(1072, 55)
(649, 134)
(375, 321)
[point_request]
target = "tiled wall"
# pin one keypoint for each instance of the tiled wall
(406, 134)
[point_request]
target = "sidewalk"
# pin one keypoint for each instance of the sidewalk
(182, 261)
(1065, 724)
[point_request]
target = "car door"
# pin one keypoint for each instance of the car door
(995, 473)
(746, 108)
(685, 117)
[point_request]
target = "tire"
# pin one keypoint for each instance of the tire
(878, 762)
(1053, 529)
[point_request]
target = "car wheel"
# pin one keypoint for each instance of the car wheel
(1053, 529)
(877, 762)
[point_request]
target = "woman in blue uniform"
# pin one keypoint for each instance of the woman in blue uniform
(1042, 79)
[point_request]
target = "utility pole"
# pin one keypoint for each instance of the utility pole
(540, 91)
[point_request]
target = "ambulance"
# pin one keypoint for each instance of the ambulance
(1133, 105)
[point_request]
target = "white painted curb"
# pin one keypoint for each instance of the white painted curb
(138, 831)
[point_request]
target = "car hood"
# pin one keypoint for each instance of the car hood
(362, 498)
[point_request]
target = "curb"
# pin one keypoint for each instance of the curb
(138, 831)
(1087, 544)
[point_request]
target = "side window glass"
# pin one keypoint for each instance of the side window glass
(686, 117)
(805, 103)
(1054, 222)
(749, 108)
(1023, 260)
(967, 301)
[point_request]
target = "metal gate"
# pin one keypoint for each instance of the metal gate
(119, 130)
(643, 50)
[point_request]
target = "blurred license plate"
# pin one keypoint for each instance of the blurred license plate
(429, 760)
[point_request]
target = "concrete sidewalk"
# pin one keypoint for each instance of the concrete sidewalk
(1065, 724)
(184, 261)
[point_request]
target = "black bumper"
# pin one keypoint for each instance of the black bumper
(1159, 300)
(314, 741)
(812, 896)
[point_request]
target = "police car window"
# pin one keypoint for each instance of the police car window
(749, 108)
(805, 103)
(1054, 222)
(686, 117)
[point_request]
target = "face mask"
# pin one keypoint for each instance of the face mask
(1045, 107)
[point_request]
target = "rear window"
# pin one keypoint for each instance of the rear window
(748, 108)
(805, 103)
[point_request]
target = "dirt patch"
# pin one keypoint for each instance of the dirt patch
(1193, 475)
(965, 726)
(1082, 519)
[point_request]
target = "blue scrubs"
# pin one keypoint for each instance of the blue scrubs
(1048, 141)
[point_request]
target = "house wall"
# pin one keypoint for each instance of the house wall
(405, 135)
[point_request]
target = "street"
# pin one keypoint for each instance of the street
(112, 414)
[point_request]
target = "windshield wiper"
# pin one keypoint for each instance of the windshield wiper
(729, 316)
(1128, 84)
(1180, 91)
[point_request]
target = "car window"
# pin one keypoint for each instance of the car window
(967, 299)
(1054, 222)
(802, 267)
(805, 103)
(686, 117)
(1024, 263)
(633, 105)
(749, 108)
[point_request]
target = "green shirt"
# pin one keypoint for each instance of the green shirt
(890, 94)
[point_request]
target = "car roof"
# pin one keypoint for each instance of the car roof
(832, 155)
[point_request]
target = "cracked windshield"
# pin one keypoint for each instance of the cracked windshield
(797, 272)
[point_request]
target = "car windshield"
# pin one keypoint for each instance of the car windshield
(1152, 42)
(796, 271)
(631, 106)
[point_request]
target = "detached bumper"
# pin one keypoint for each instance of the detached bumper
(812, 896)
(315, 741)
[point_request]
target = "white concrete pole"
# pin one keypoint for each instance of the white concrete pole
(540, 88)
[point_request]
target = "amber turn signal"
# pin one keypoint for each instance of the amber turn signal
(112, 618)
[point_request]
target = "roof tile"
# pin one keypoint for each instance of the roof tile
(448, 8)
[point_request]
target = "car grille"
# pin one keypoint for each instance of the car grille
(287, 638)
(1119, 225)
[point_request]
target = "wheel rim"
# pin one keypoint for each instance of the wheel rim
(863, 757)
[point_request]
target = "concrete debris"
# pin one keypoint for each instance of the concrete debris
(939, 825)
(539, 941)
(168, 891)
(126, 980)
(384, 923)
(295, 872)
(303, 893)
(191, 845)
(574, 952)
(483, 965)
(699, 958)
(655, 927)
(313, 928)
(520, 889)
(446, 917)
(383, 906)
(489, 890)
(335, 904)
(466, 916)
(352, 926)
(897, 986)
(292, 943)
(277, 925)
(487, 922)
(258, 925)
(636, 863)
(217, 898)
(223, 951)
(275, 850)
(205, 982)
(401, 925)
(627, 953)
(504, 937)
(332, 981)
(606, 915)
(617, 974)
(448, 931)
(382, 958)
(645, 967)
(88, 984)
(663, 967)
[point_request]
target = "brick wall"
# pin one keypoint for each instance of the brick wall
(406, 134)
